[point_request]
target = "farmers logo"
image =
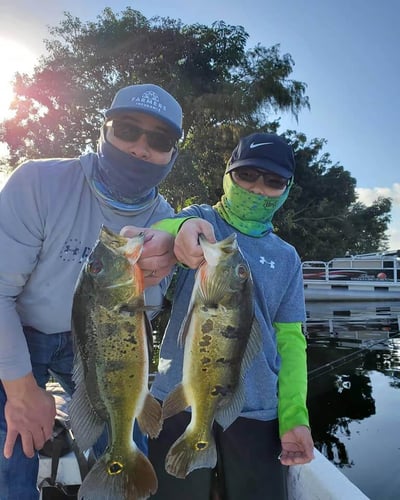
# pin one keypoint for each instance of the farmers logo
(150, 100)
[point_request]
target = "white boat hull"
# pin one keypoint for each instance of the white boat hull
(314, 481)
(331, 293)
(321, 480)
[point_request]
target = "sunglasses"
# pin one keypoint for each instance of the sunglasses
(129, 132)
(251, 175)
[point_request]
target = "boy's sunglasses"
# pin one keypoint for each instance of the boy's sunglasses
(251, 175)
(129, 132)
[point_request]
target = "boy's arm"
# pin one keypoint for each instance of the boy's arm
(171, 225)
(292, 377)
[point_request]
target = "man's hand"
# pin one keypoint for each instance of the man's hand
(187, 248)
(157, 259)
(30, 412)
(297, 446)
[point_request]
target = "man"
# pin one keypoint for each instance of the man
(51, 212)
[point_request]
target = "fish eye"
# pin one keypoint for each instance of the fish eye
(241, 271)
(95, 266)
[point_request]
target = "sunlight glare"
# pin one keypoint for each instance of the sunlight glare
(13, 57)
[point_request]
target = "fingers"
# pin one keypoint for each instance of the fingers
(297, 446)
(157, 258)
(153, 277)
(156, 267)
(32, 440)
(187, 248)
(32, 418)
(294, 457)
(130, 231)
(9, 444)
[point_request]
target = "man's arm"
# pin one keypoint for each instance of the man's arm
(29, 412)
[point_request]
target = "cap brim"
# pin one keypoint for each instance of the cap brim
(130, 109)
(261, 164)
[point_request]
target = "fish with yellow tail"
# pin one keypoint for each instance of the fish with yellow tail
(220, 339)
(111, 370)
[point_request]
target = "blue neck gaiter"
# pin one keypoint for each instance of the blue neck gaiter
(123, 180)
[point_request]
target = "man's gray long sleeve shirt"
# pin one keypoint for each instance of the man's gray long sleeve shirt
(50, 219)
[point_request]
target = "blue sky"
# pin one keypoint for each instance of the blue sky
(346, 51)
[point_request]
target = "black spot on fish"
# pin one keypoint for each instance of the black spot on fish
(205, 361)
(224, 361)
(205, 341)
(131, 339)
(207, 326)
(129, 327)
(230, 332)
(221, 390)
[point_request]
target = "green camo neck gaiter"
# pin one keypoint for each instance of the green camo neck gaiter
(247, 212)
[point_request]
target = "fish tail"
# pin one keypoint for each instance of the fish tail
(111, 480)
(189, 452)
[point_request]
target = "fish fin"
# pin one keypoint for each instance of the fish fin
(187, 454)
(149, 335)
(226, 415)
(183, 331)
(175, 402)
(254, 346)
(137, 479)
(86, 425)
(78, 375)
(150, 418)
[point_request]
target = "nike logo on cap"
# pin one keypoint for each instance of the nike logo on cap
(254, 145)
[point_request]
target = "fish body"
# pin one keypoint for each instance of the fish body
(111, 370)
(219, 342)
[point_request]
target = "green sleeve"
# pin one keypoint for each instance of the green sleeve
(292, 377)
(171, 226)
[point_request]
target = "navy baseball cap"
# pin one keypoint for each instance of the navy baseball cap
(265, 152)
(150, 99)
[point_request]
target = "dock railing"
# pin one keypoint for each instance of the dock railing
(381, 269)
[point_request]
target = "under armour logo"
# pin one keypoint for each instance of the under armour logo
(271, 263)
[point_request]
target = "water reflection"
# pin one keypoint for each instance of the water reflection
(344, 397)
(352, 389)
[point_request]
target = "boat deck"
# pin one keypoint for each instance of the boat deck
(366, 277)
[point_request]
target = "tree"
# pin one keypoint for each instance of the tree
(322, 217)
(58, 109)
(226, 91)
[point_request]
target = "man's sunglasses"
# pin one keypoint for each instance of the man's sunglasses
(251, 175)
(129, 132)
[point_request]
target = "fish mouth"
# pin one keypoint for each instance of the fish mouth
(131, 248)
(213, 251)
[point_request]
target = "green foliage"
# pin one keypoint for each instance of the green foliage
(322, 217)
(58, 110)
(226, 90)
